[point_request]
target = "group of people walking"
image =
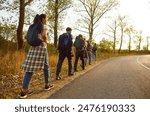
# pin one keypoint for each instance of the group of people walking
(37, 57)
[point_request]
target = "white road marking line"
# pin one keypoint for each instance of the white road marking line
(142, 64)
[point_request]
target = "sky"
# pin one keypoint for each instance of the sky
(137, 12)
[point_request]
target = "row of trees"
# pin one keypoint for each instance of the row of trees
(120, 29)
(91, 12)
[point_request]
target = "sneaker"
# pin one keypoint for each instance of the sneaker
(71, 74)
(23, 95)
(58, 78)
(48, 87)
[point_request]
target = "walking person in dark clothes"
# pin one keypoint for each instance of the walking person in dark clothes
(94, 50)
(89, 51)
(37, 57)
(65, 45)
(85, 54)
(79, 45)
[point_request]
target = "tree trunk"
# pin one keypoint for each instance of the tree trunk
(91, 30)
(139, 45)
(56, 24)
(129, 43)
(90, 35)
(121, 41)
(114, 45)
(20, 25)
(147, 44)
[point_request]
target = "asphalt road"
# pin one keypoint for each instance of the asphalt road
(117, 78)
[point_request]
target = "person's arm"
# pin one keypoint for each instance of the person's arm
(44, 35)
(59, 42)
(71, 40)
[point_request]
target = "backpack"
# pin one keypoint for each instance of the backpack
(33, 36)
(79, 44)
(89, 47)
(64, 42)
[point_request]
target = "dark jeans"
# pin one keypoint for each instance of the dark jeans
(28, 75)
(90, 57)
(94, 56)
(79, 55)
(62, 56)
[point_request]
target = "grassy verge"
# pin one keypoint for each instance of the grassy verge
(11, 75)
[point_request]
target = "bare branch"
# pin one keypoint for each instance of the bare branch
(85, 6)
(28, 2)
(95, 10)
(108, 35)
(81, 30)
(63, 9)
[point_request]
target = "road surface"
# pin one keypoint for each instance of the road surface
(117, 78)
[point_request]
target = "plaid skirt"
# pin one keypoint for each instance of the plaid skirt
(35, 59)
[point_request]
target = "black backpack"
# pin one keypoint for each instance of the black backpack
(65, 42)
(79, 43)
(33, 35)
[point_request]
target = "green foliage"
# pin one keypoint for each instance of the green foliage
(8, 31)
(61, 7)
(137, 48)
(145, 48)
(106, 45)
(124, 52)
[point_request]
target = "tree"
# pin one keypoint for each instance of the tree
(106, 45)
(122, 25)
(55, 10)
(22, 6)
(146, 47)
(147, 42)
(139, 39)
(129, 31)
(92, 11)
(17, 7)
(112, 29)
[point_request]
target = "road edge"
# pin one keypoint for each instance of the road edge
(141, 63)
(41, 94)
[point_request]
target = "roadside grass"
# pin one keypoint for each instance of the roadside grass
(11, 75)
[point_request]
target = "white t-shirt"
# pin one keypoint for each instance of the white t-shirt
(45, 27)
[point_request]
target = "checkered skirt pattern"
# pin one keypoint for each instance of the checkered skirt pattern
(35, 59)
